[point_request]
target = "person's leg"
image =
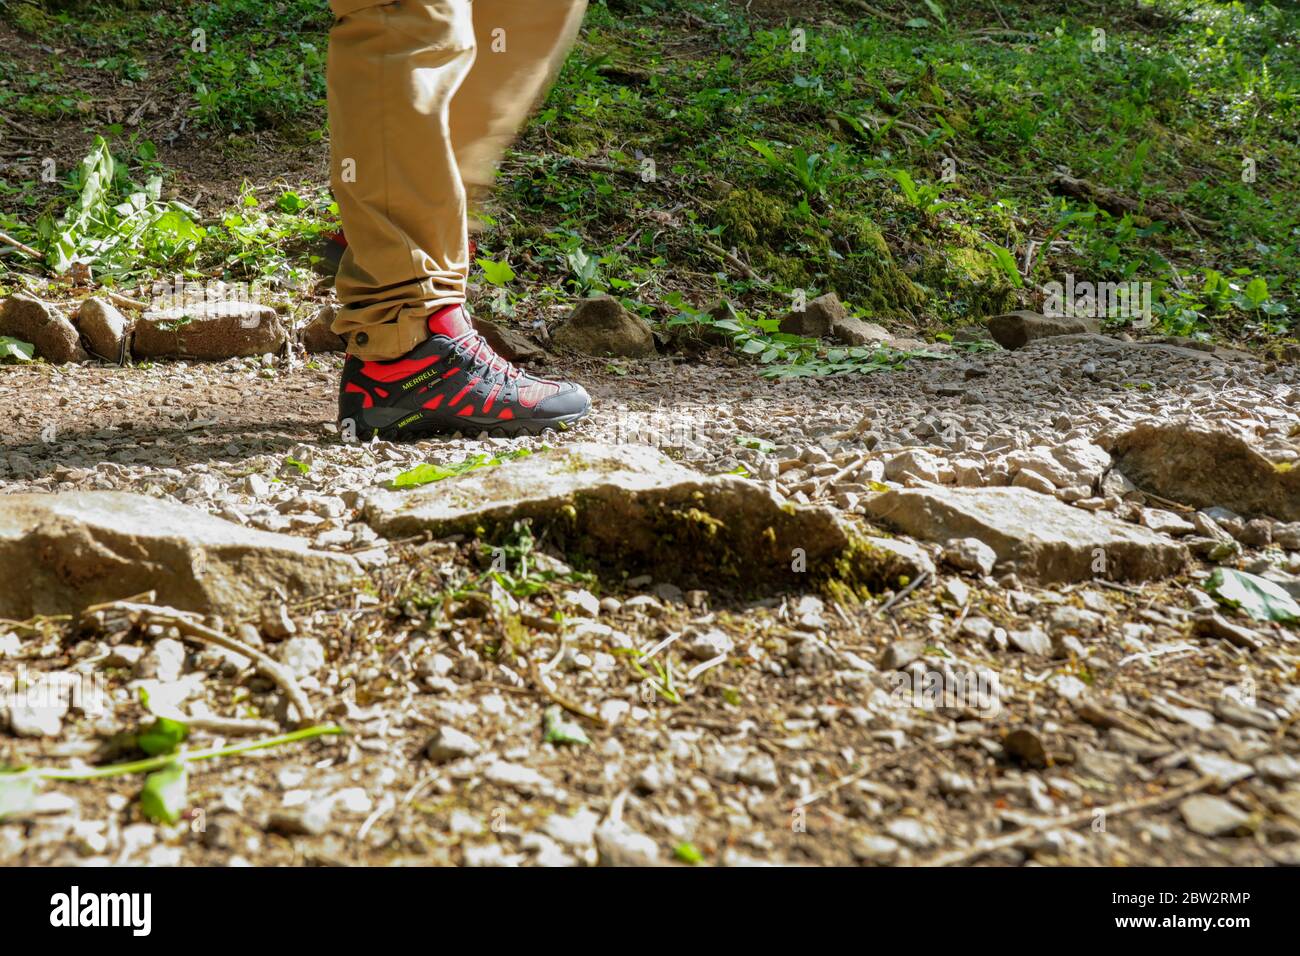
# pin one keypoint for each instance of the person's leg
(415, 363)
(393, 70)
(521, 46)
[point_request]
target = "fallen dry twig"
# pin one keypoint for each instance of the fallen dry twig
(556, 697)
(22, 247)
(230, 726)
(920, 579)
(126, 302)
(185, 623)
(984, 847)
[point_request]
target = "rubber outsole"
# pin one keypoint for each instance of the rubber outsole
(416, 431)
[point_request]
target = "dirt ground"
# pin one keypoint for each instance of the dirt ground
(812, 742)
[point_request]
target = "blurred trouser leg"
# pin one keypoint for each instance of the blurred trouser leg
(521, 47)
(393, 70)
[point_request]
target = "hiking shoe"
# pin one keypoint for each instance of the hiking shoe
(452, 382)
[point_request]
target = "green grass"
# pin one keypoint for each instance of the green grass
(904, 167)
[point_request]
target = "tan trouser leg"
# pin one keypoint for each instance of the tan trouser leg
(402, 137)
(521, 47)
(392, 71)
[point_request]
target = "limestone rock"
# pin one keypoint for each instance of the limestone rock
(639, 511)
(601, 326)
(817, 319)
(209, 330)
(970, 554)
(1032, 640)
(510, 344)
(1166, 522)
(318, 335)
(914, 463)
(451, 744)
(27, 318)
(826, 317)
(1212, 816)
(1084, 460)
(851, 331)
(104, 328)
(1035, 534)
(1014, 330)
(61, 552)
(1202, 466)
(901, 562)
(901, 653)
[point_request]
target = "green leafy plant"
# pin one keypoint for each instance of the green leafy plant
(426, 473)
(792, 356)
(497, 273)
(114, 225)
(163, 796)
(561, 730)
(165, 793)
(812, 173)
(758, 444)
(16, 350)
(1258, 597)
(585, 269)
(688, 853)
(924, 197)
(1006, 262)
(163, 736)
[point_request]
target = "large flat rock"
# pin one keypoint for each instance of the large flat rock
(62, 552)
(1036, 535)
(1205, 466)
(1014, 330)
(630, 508)
(209, 330)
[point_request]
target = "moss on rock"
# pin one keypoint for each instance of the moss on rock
(858, 263)
(970, 280)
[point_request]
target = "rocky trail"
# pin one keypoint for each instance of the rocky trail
(998, 607)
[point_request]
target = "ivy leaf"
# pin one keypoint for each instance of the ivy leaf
(426, 474)
(560, 730)
(1256, 292)
(759, 444)
(497, 273)
(688, 853)
(164, 795)
(163, 736)
(16, 349)
(1259, 597)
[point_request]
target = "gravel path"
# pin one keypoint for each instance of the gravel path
(810, 737)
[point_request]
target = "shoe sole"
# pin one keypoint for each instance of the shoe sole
(397, 425)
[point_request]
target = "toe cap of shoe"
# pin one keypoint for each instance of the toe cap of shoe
(570, 400)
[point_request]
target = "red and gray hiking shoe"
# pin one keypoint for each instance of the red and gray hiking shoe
(452, 382)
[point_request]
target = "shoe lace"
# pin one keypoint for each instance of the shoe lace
(472, 345)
